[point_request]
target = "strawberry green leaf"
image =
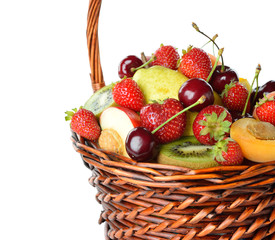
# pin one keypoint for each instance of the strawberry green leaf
(69, 114)
(214, 125)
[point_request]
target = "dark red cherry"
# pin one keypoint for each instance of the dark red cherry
(268, 87)
(220, 78)
(127, 64)
(192, 90)
(141, 145)
(238, 115)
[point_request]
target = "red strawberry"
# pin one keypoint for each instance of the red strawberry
(211, 124)
(234, 97)
(167, 56)
(195, 64)
(228, 152)
(265, 109)
(153, 115)
(127, 94)
(84, 123)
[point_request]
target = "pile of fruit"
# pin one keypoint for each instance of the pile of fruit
(188, 110)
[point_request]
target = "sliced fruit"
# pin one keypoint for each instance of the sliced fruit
(190, 117)
(244, 82)
(118, 120)
(187, 152)
(110, 140)
(101, 100)
(159, 83)
(262, 130)
(245, 132)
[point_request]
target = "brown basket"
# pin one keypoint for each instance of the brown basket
(159, 202)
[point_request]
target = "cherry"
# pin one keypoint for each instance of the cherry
(238, 115)
(127, 65)
(141, 145)
(222, 77)
(268, 87)
(192, 90)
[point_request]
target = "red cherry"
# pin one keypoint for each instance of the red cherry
(220, 78)
(141, 144)
(127, 64)
(267, 88)
(238, 115)
(192, 90)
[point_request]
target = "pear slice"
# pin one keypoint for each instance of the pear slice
(159, 83)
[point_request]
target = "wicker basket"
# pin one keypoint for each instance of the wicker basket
(158, 202)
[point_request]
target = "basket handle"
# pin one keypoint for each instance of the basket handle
(96, 74)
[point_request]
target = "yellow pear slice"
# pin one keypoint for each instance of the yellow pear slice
(159, 83)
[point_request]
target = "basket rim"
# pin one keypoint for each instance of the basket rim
(169, 176)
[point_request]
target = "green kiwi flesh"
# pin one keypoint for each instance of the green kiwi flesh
(187, 152)
(100, 100)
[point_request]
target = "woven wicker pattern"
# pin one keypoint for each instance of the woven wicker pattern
(159, 202)
(154, 201)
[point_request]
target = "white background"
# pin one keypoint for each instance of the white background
(44, 71)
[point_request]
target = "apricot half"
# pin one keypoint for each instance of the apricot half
(255, 147)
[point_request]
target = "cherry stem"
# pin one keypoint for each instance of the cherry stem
(211, 39)
(205, 44)
(199, 101)
(258, 70)
(214, 67)
(143, 59)
(144, 64)
(257, 84)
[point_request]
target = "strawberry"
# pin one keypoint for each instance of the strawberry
(127, 94)
(84, 123)
(195, 63)
(166, 56)
(154, 114)
(234, 97)
(228, 152)
(265, 109)
(211, 124)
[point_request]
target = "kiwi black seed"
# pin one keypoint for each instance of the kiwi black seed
(187, 152)
(101, 100)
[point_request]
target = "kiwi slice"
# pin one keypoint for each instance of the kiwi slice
(101, 100)
(187, 152)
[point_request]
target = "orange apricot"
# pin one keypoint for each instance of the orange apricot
(255, 147)
(213, 59)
